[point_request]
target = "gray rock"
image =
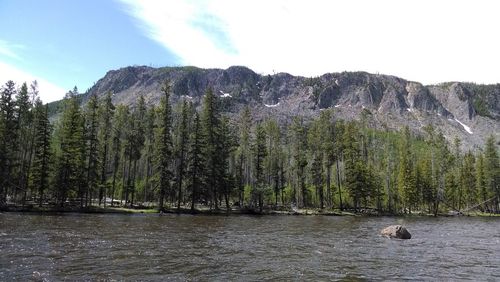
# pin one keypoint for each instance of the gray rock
(396, 231)
(389, 101)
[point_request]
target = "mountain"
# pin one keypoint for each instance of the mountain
(468, 111)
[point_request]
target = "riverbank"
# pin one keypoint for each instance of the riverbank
(198, 211)
(201, 210)
(207, 211)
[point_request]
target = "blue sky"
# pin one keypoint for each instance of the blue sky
(63, 43)
(70, 43)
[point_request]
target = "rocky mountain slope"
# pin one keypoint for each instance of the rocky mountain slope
(468, 111)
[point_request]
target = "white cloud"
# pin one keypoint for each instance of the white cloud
(48, 92)
(7, 49)
(424, 40)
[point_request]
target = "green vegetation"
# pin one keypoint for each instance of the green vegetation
(102, 157)
(480, 107)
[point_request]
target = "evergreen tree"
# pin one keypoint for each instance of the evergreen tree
(328, 140)
(106, 111)
(136, 143)
(225, 147)
(299, 150)
(150, 150)
(211, 126)
(25, 137)
(164, 147)
(196, 160)
(468, 180)
(428, 191)
(42, 154)
(442, 166)
(481, 187)
(406, 176)
(244, 153)
(492, 172)
(91, 130)
(429, 171)
(8, 133)
(273, 159)
(317, 152)
(182, 145)
(339, 153)
(353, 166)
(70, 159)
(454, 193)
(118, 134)
(260, 154)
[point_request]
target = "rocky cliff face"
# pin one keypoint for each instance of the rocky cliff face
(464, 110)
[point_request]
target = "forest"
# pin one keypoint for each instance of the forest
(180, 157)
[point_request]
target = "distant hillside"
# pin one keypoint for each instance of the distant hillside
(468, 111)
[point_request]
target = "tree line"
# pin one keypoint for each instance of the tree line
(182, 157)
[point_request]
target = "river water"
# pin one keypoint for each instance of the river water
(245, 248)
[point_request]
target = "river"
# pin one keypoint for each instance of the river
(243, 248)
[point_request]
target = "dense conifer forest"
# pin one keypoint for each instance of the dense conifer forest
(187, 158)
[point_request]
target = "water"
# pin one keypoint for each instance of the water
(179, 248)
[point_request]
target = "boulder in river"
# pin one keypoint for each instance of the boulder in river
(396, 231)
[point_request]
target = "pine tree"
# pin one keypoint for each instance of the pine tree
(299, 150)
(454, 193)
(8, 133)
(440, 161)
(136, 143)
(71, 158)
(317, 178)
(443, 161)
(25, 136)
(164, 147)
(260, 152)
(106, 111)
(150, 150)
(118, 134)
(492, 172)
(481, 182)
(274, 155)
(42, 154)
(328, 138)
(316, 151)
(428, 191)
(339, 153)
(211, 126)
(182, 145)
(91, 130)
(468, 180)
(354, 178)
(225, 147)
(406, 176)
(244, 153)
(196, 160)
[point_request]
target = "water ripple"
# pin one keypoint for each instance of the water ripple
(192, 248)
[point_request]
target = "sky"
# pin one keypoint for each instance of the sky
(67, 43)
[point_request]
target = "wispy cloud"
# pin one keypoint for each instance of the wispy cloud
(10, 50)
(48, 91)
(429, 41)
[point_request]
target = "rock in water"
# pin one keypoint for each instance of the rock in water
(396, 231)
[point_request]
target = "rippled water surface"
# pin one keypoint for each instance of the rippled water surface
(152, 247)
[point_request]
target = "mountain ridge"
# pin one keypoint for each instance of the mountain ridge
(468, 111)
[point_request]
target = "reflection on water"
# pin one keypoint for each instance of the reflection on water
(150, 247)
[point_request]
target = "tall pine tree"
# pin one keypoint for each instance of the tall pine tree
(164, 145)
(42, 154)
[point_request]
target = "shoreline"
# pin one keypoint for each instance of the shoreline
(232, 212)
(165, 211)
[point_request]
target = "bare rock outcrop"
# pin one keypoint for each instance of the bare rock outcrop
(465, 111)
